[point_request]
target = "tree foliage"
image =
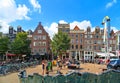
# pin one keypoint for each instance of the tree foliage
(21, 44)
(4, 44)
(60, 43)
(0, 34)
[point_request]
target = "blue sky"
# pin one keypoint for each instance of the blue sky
(83, 13)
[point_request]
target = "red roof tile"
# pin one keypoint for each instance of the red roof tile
(76, 28)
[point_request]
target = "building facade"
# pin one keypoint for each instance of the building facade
(12, 32)
(85, 44)
(40, 41)
(64, 28)
(77, 43)
(117, 34)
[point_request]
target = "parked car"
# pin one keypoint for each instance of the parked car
(73, 65)
(114, 64)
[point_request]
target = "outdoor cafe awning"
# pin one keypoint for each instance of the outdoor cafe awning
(9, 54)
(105, 54)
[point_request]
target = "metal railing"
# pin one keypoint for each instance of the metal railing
(110, 76)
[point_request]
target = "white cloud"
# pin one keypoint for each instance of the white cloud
(82, 25)
(52, 29)
(35, 5)
(10, 12)
(114, 28)
(5, 25)
(110, 4)
(21, 12)
(62, 22)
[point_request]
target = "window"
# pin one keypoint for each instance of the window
(39, 43)
(110, 41)
(99, 47)
(114, 41)
(67, 30)
(77, 53)
(80, 46)
(72, 35)
(95, 42)
(40, 50)
(99, 42)
(35, 37)
(88, 36)
(94, 47)
(119, 38)
(39, 37)
(76, 40)
(97, 36)
(44, 43)
(76, 35)
(35, 44)
(39, 31)
(90, 47)
(35, 50)
(102, 36)
(11, 31)
(72, 40)
(81, 35)
(72, 46)
(73, 53)
(89, 42)
(44, 37)
(85, 36)
(88, 52)
(76, 46)
(80, 40)
(44, 49)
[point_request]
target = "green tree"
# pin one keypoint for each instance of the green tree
(0, 34)
(4, 45)
(60, 43)
(21, 44)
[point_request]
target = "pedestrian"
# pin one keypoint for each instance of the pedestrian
(57, 65)
(47, 69)
(51, 68)
(43, 67)
(49, 65)
(23, 74)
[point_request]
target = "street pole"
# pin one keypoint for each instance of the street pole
(6, 55)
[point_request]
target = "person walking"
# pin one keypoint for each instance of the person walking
(51, 66)
(43, 67)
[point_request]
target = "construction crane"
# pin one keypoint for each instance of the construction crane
(106, 23)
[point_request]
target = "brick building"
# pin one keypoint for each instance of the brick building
(40, 41)
(86, 43)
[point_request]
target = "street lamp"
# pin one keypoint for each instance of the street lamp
(6, 55)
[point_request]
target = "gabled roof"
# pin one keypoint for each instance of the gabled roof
(76, 28)
(39, 26)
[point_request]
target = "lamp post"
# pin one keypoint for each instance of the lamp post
(6, 55)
